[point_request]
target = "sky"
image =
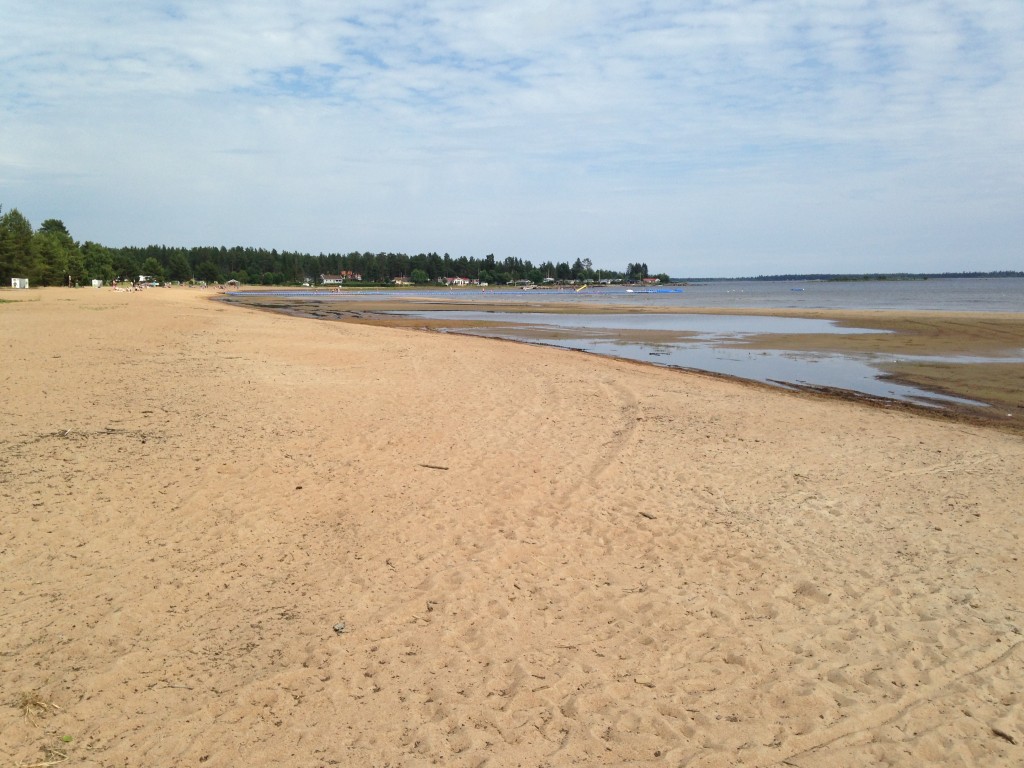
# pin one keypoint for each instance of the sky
(718, 138)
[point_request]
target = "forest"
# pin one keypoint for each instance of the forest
(49, 255)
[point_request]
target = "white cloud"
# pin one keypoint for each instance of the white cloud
(742, 130)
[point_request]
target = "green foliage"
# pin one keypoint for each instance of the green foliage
(76, 266)
(152, 269)
(51, 257)
(55, 227)
(178, 267)
(208, 271)
(56, 258)
(48, 260)
(125, 264)
(636, 272)
(98, 262)
(15, 246)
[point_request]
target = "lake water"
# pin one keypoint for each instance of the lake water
(714, 342)
(953, 294)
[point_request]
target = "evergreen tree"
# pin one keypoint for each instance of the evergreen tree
(15, 246)
(178, 267)
(98, 263)
(56, 257)
(152, 269)
(48, 260)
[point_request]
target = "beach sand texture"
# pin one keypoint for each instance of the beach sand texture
(231, 537)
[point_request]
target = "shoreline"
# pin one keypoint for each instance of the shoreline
(917, 332)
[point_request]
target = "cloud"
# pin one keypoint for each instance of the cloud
(589, 129)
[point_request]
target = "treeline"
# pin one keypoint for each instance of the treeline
(50, 256)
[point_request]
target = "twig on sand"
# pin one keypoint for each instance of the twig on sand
(433, 466)
(1003, 735)
(54, 757)
(33, 706)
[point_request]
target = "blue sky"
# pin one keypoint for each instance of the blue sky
(712, 138)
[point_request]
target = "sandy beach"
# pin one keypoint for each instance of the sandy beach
(233, 537)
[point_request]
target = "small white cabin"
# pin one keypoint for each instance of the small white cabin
(19, 282)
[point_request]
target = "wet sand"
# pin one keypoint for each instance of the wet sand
(234, 537)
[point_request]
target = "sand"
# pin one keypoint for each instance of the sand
(231, 537)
